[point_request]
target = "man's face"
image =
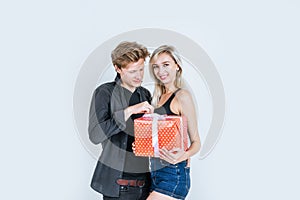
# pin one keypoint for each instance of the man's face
(132, 75)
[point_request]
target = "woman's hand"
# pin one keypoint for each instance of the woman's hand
(173, 156)
(133, 147)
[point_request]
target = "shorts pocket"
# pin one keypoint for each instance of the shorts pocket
(188, 178)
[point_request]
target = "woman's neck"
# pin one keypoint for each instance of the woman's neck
(170, 89)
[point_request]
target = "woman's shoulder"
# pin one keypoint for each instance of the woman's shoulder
(183, 93)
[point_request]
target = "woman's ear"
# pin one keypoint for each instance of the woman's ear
(178, 67)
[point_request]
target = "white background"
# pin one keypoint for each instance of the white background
(254, 45)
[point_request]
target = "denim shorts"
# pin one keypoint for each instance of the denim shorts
(169, 179)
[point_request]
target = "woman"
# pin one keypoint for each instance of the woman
(171, 173)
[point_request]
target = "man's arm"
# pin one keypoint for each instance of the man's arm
(102, 123)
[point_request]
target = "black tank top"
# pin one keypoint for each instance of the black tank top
(165, 108)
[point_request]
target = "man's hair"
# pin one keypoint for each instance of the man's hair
(127, 52)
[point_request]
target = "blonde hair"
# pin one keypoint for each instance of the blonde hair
(159, 88)
(127, 52)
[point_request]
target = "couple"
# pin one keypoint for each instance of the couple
(119, 174)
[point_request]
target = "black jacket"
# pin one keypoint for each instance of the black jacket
(106, 126)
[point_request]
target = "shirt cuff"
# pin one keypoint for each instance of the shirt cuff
(119, 117)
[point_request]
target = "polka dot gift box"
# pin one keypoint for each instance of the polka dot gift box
(153, 132)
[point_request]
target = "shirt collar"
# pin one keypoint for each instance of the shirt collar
(118, 82)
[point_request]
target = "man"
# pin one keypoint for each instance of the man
(119, 174)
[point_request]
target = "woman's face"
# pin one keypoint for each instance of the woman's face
(165, 68)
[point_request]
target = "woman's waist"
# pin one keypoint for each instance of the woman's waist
(162, 163)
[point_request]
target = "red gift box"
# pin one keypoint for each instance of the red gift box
(153, 132)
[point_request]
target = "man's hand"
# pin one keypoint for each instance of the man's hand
(143, 107)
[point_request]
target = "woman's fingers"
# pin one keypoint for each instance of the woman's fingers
(133, 147)
(173, 156)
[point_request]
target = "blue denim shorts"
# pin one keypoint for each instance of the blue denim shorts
(169, 179)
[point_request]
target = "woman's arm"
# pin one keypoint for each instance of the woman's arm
(186, 107)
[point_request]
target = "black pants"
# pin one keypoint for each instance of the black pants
(131, 193)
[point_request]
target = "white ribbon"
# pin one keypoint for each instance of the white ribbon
(155, 118)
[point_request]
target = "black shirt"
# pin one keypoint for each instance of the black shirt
(108, 127)
(134, 166)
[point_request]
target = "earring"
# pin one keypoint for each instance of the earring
(177, 69)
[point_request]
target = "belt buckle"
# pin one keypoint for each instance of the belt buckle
(123, 188)
(140, 181)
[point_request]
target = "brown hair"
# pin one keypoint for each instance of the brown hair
(127, 52)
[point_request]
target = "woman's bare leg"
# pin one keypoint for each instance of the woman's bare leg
(159, 196)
